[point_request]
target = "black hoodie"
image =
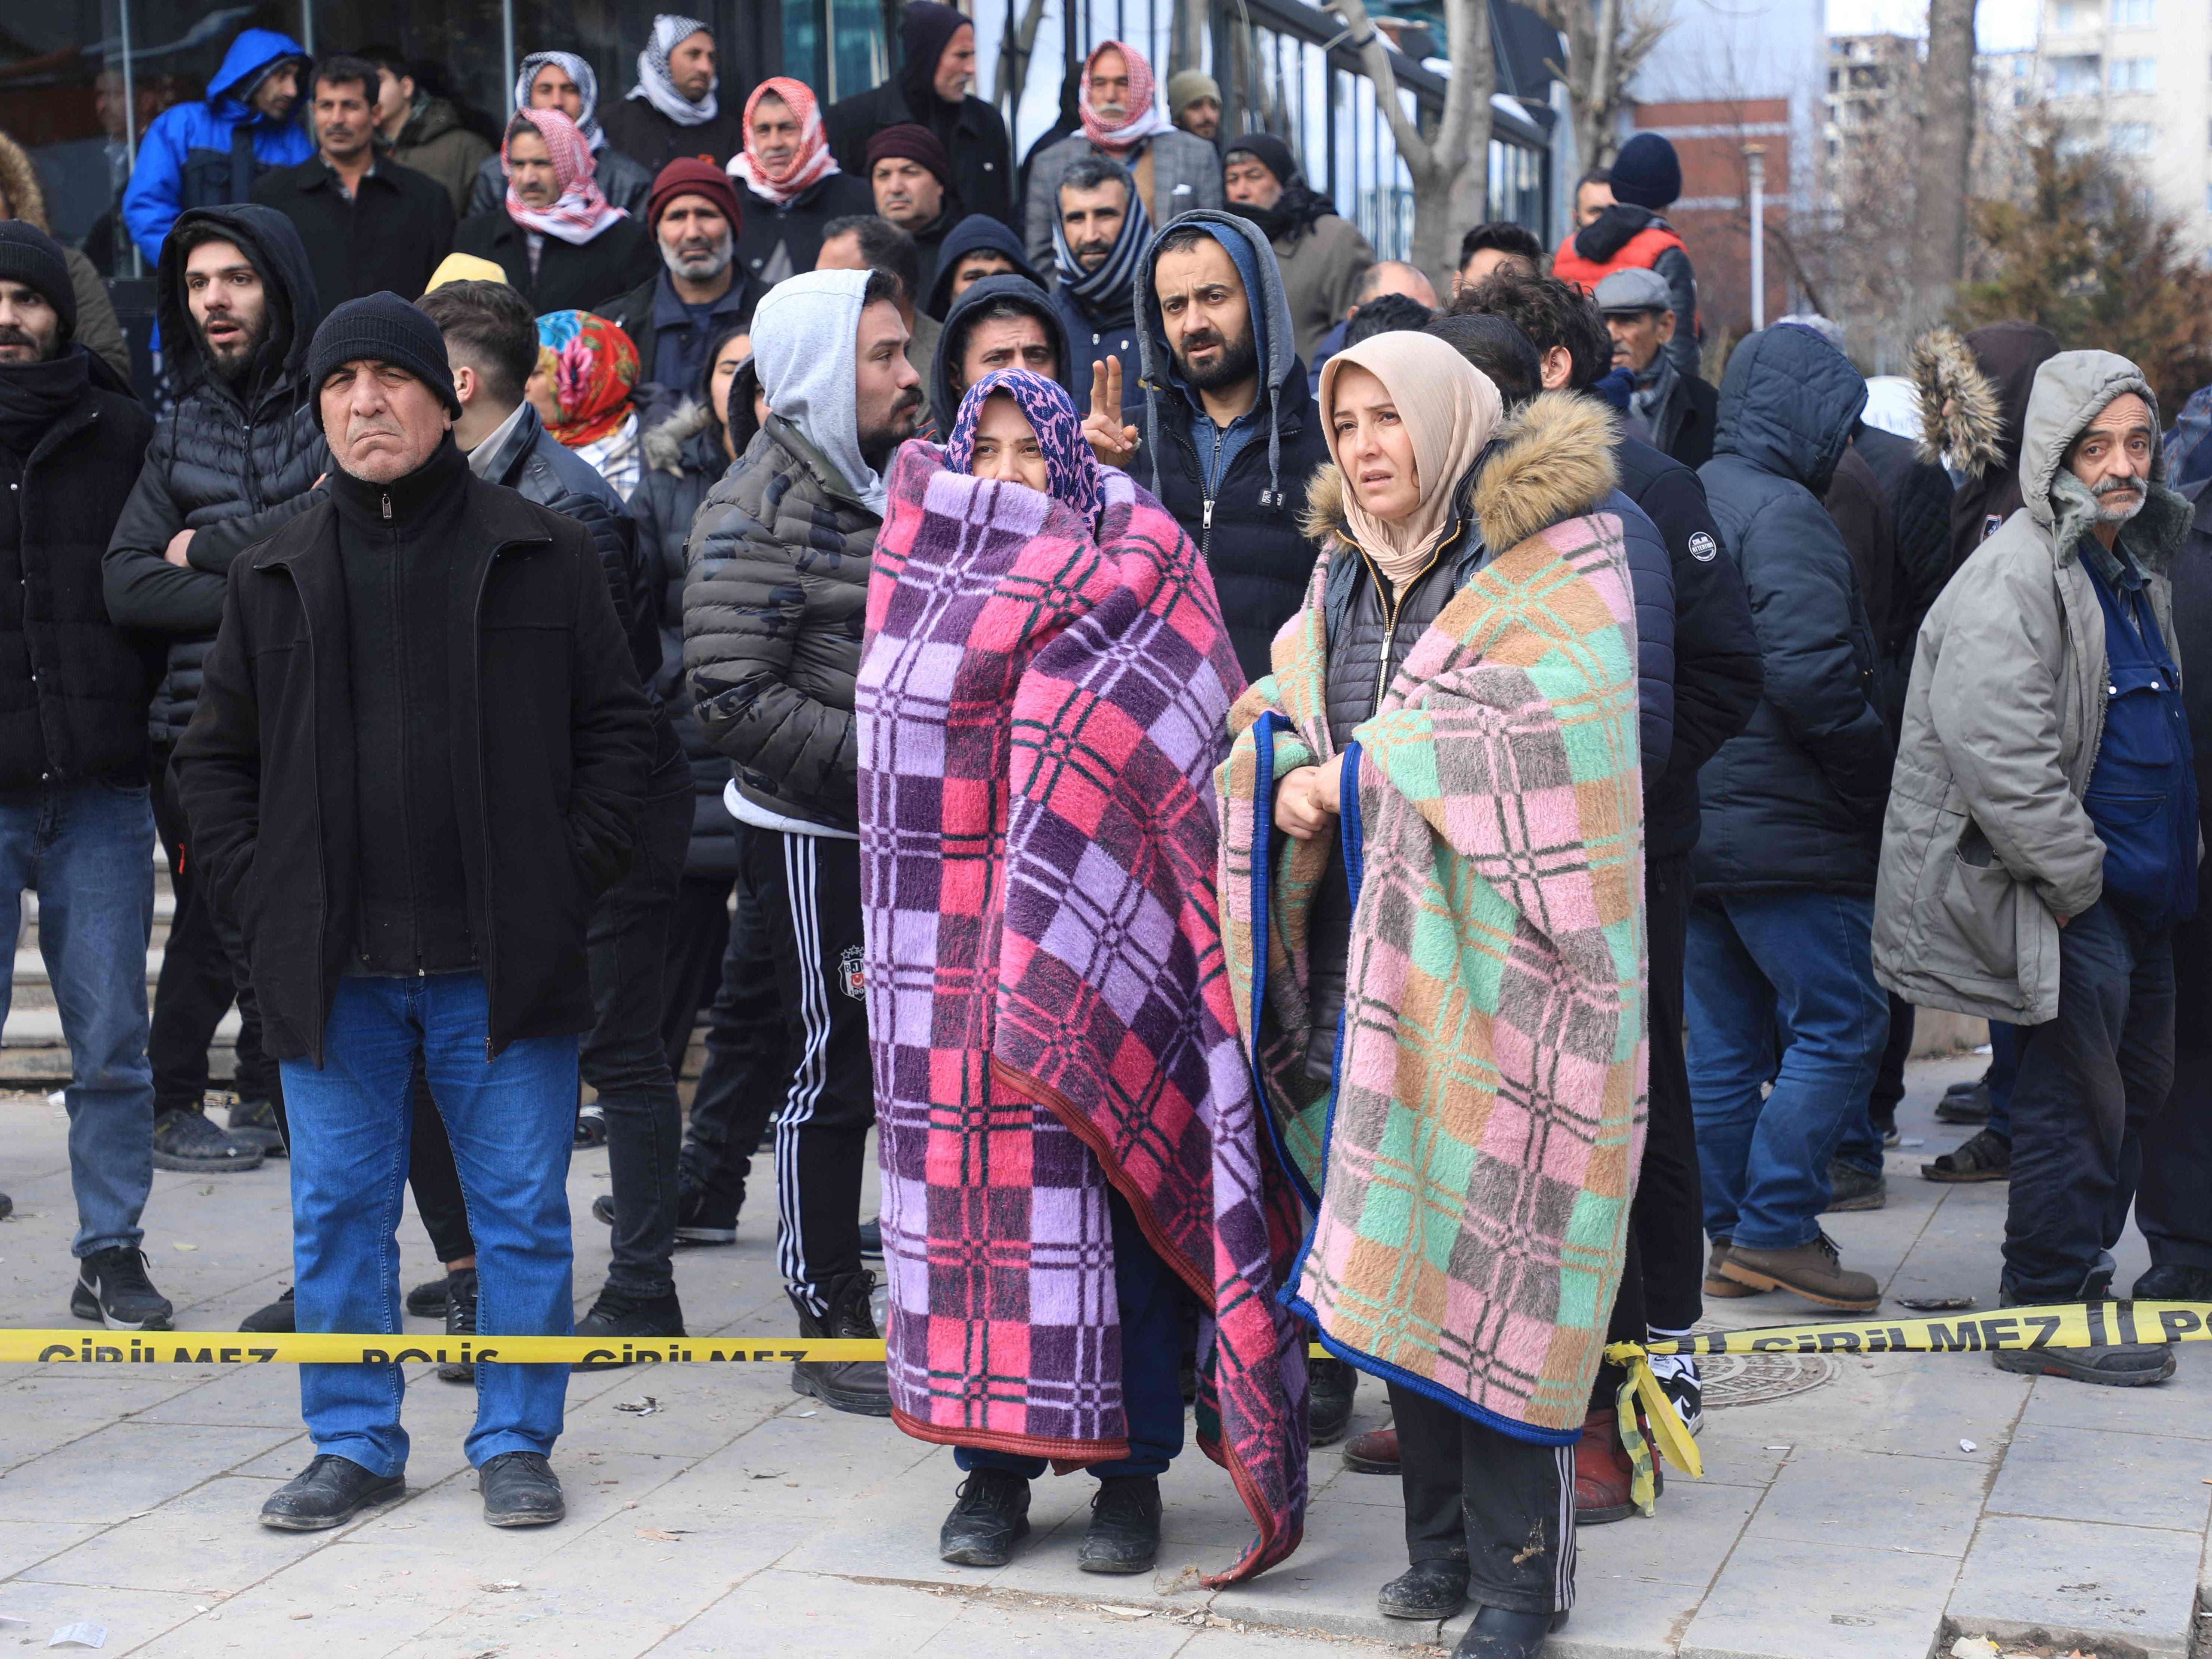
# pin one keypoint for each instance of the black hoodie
(2008, 353)
(944, 397)
(230, 463)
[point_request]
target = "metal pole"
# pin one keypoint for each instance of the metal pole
(307, 39)
(507, 51)
(130, 127)
(1754, 161)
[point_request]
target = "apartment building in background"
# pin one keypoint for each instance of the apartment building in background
(2135, 77)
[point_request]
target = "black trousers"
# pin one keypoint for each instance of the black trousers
(698, 935)
(750, 1059)
(808, 888)
(1506, 1507)
(203, 973)
(2174, 1206)
(1668, 1218)
(1889, 1081)
(621, 1059)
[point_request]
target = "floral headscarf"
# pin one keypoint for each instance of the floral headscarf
(579, 212)
(1072, 471)
(593, 364)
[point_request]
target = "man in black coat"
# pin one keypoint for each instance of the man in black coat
(937, 51)
(584, 251)
(412, 876)
(675, 109)
(368, 224)
(1677, 408)
(239, 454)
(75, 824)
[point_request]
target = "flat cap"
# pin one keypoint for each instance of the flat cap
(1635, 289)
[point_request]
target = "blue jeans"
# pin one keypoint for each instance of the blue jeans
(512, 1123)
(1796, 967)
(1150, 1295)
(87, 849)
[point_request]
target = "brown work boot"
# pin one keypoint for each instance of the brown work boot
(1812, 1270)
(1718, 1282)
(1374, 1452)
(1603, 1475)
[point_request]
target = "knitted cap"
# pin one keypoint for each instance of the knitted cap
(695, 175)
(913, 144)
(29, 256)
(384, 329)
(1647, 174)
(1186, 87)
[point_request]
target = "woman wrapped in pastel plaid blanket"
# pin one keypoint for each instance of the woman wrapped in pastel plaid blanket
(1439, 976)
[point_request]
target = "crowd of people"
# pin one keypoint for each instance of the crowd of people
(1296, 806)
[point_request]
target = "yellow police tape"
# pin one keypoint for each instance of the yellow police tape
(2077, 1325)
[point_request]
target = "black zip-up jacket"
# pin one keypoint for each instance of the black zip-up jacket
(230, 465)
(390, 235)
(550, 742)
(569, 277)
(981, 154)
(72, 686)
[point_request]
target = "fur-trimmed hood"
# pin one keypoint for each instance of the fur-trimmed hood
(1551, 460)
(1985, 378)
(19, 183)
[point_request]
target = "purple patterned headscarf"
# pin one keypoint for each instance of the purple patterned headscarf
(1072, 472)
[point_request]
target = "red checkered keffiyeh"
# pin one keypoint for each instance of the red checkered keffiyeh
(580, 212)
(814, 161)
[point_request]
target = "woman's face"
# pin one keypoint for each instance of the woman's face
(734, 351)
(1373, 447)
(540, 392)
(1007, 446)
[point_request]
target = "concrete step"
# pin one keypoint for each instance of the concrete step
(165, 912)
(35, 989)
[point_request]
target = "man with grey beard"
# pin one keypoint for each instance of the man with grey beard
(695, 218)
(2042, 836)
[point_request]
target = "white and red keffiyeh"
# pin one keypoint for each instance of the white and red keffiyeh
(580, 212)
(1144, 119)
(812, 163)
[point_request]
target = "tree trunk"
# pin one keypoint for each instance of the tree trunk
(1014, 62)
(1189, 36)
(1946, 124)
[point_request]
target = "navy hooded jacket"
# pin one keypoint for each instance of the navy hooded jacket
(971, 234)
(944, 397)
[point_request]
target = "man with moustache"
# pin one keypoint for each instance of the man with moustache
(782, 552)
(1098, 240)
(369, 223)
(700, 289)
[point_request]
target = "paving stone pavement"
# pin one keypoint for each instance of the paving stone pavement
(1905, 1501)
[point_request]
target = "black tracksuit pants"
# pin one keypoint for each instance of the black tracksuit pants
(1506, 1507)
(749, 1058)
(808, 888)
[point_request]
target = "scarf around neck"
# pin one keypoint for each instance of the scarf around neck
(1144, 119)
(1105, 292)
(809, 167)
(587, 88)
(655, 85)
(1072, 471)
(579, 212)
(33, 396)
(1451, 409)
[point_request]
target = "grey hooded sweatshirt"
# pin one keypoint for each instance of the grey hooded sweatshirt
(1987, 842)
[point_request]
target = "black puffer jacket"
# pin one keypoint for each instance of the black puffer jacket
(1796, 799)
(682, 460)
(230, 464)
(780, 559)
(72, 686)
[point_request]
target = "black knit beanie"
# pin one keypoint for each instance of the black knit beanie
(29, 256)
(385, 328)
(1647, 174)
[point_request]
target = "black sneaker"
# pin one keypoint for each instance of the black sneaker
(111, 1287)
(1124, 1535)
(591, 1126)
(275, 1320)
(1425, 1590)
(1850, 1188)
(329, 1492)
(701, 1219)
(872, 1240)
(1331, 1388)
(1965, 1102)
(618, 1314)
(254, 1123)
(858, 1386)
(991, 1517)
(520, 1490)
(185, 1139)
(1502, 1633)
(428, 1299)
(460, 1321)
(2171, 1283)
(603, 1209)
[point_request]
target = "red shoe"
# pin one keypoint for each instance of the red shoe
(1603, 1474)
(1374, 1452)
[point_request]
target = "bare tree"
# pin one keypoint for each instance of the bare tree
(1947, 125)
(1606, 43)
(1449, 164)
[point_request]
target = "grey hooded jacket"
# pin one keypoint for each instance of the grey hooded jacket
(1987, 842)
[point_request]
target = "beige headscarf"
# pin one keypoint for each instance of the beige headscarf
(1451, 409)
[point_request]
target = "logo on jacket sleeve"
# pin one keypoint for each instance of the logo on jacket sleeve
(852, 975)
(1703, 548)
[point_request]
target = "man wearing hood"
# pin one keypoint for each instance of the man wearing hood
(562, 80)
(937, 53)
(1229, 433)
(791, 184)
(1321, 254)
(1174, 171)
(978, 246)
(1974, 417)
(2042, 839)
(675, 111)
(1098, 243)
(424, 128)
(203, 155)
(239, 455)
(782, 552)
(1791, 811)
(74, 822)
(1628, 234)
(1000, 322)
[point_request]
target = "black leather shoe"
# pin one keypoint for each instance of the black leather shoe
(990, 1517)
(276, 1319)
(2171, 1283)
(460, 1321)
(1427, 1590)
(329, 1492)
(1124, 1535)
(858, 1386)
(618, 1314)
(428, 1299)
(1331, 1387)
(1497, 1633)
(520, 1490)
